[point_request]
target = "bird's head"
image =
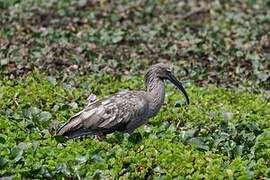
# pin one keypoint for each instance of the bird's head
(164, 72)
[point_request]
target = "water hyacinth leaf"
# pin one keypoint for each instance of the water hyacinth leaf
(46, 173)
(74, 105)
(45, 116)
(16, 153)
(35, 145)
(147, 129)
(65, 107)
(97, 158)
(9, 112)
(262, 145)
(62, 168)
(82, 159)
(221, 137)
(60, 139)
(52, 80)
(253, 126)
(171, 128)
(185, 135)
(227, 115)
(116, 137)
(23, 145)
(3, 162)
(180, 103)
(31, 112)
(98, 174)
(238, 150)
(119, 136)
(267, 172)
(43, 120)
(117, 36)
(158, 169)
(199, 143)
(4, 61)
(164, 126)
(135, 138)
(56, 107)
(2, 139)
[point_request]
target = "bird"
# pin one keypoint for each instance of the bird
(124, 111)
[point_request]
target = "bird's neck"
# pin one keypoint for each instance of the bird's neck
(156, 95)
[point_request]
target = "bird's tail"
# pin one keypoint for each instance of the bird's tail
(73, 128)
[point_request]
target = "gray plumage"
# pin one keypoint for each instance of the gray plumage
(124, 111)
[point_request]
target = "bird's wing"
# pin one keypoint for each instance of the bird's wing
(107, 115)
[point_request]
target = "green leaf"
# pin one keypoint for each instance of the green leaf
(135, 138)
(52, 80)
(16, 153)
(63, 169)
(31, 112)
(45, 116)
(82, 159)
(2, 139)
(3, 162)
(60, 139)
(185, 135)
(96, 158)
(198, 142)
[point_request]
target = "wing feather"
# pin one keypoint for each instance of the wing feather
(107, 115)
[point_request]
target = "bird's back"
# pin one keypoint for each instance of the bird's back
(124, 111)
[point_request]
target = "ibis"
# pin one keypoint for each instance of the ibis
(124, 111)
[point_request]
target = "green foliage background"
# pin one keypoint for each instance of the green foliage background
(54, 54)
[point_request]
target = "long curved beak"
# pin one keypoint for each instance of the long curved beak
(179, 85)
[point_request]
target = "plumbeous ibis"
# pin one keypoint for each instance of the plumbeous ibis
(124, 111)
